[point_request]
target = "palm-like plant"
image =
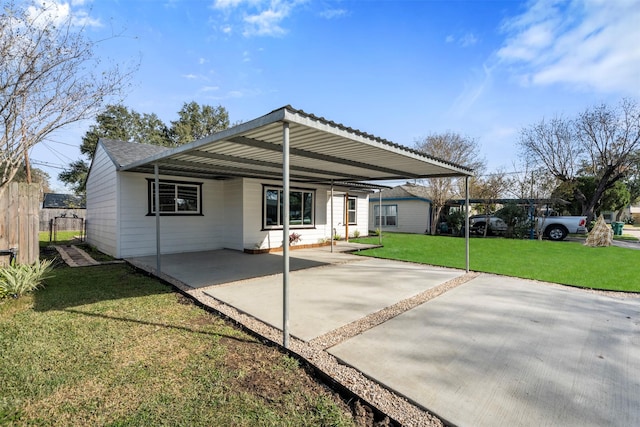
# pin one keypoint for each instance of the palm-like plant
(19, 279)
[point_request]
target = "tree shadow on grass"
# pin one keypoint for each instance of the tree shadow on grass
(72, 287)
(160, 325)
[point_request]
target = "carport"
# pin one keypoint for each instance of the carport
(294, 146)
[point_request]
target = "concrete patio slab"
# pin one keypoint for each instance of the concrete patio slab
(323, 299)
(500, 351)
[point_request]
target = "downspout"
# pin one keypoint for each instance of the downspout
(156, 184)
(285, 234)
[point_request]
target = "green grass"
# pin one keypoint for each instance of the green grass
(109, 346)
(63, 238)
(569, 263)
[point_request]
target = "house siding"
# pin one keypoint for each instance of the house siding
(255, 237)
(102, 208)
(232, 207)
(362, 208)
(177, 233)
(413, 216)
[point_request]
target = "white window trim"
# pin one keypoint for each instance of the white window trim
(278, 226)
(355, 210)
(176, 185)
(383, 218)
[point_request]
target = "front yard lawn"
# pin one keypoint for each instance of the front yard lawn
(107, 345)
(569, 263)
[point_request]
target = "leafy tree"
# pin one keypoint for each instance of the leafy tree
(116, 122)
(49, 78)
(632, 177)
(196, 122)
(613, 199)
(600, 142)
(490, 188)
(75, 176)
(454, 148)
(124, 124)
(517, 220)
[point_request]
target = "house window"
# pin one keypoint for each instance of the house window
(351, 211)
(301, 208)
(389, 215)
(176, 198)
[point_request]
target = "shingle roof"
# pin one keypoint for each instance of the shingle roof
(406, 191)
(64, 201)
(122, 153)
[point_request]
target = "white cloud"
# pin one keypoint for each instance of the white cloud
(59, 11)
(334, 13)
(466, 40)
(255, 17)
(587, 44)
(265, 23)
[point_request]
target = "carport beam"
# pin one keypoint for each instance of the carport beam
(285, 235)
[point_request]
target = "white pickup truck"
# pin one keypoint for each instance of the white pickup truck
(552, 227)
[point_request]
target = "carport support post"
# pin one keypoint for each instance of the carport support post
(157, 203)
(466, 220)
(331, 231)
(380, 217)
(285, 235)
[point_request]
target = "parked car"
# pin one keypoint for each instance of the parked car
(478, 223)
(552, 227)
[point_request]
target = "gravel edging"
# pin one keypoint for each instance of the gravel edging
(383, 400)
(374, 319)
(370, 392)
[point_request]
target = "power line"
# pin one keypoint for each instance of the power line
(47, 164)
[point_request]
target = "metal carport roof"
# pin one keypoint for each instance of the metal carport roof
(291, 145)
(320, 151)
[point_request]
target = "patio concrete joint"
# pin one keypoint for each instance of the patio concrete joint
(374, 319)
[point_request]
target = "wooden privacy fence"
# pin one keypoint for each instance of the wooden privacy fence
(19, 222)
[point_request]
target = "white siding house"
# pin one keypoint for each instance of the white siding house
(405, 209)
(237, 213)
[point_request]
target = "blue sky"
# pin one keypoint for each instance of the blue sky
(400, 70)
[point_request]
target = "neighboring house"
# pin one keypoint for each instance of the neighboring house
(62, 201)
(405, 209)
(634, 212)
(62, 212)
(226, 190)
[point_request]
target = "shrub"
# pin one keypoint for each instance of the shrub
(356, 234)
(294, 238)
(16, 280)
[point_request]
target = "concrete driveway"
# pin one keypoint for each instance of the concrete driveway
(493, 351)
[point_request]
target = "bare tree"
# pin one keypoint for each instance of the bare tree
(527, 182)
(49, 78)
(490, 188)
(600, 142)
(452, 147)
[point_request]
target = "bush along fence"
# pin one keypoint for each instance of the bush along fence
(19, 222)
